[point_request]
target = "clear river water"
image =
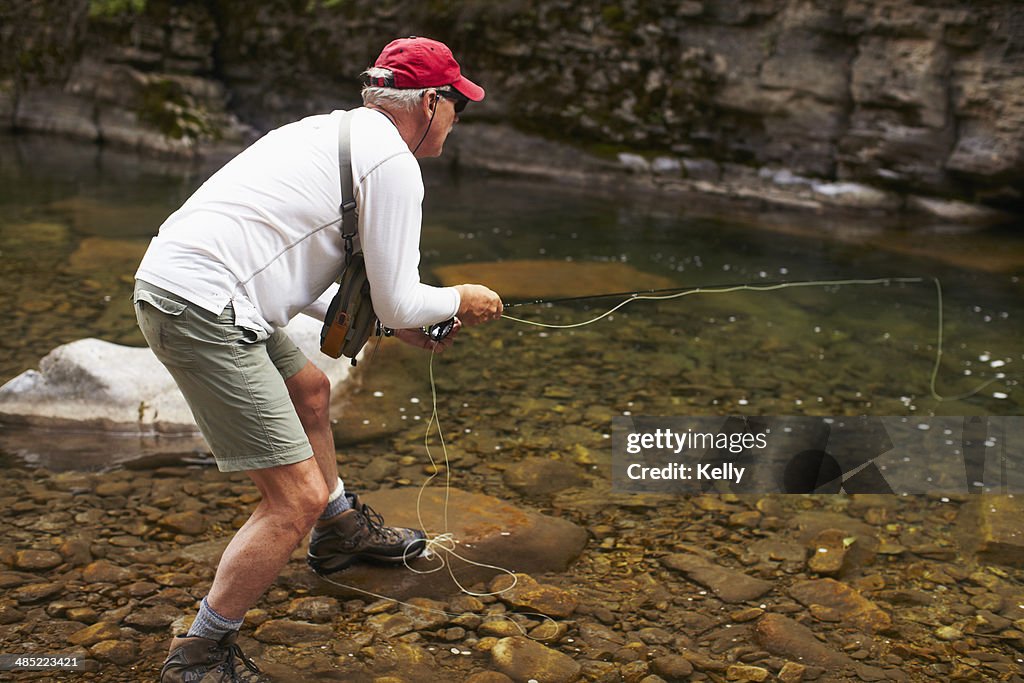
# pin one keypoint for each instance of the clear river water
(75, 219)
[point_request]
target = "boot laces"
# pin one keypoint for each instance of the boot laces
(375, 521)
(232, 652)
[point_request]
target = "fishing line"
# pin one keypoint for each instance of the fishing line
(938, 358)
(652, 295)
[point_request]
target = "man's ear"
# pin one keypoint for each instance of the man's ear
(430, 102)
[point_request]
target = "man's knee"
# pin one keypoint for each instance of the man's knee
(297, 494)
(313, 503)
(310, 391)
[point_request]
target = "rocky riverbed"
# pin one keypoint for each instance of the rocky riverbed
(714, 587)
(710, 587)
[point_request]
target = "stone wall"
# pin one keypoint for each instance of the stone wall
(911, 96)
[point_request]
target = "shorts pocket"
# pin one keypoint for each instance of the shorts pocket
(164, 324)
(161, 303)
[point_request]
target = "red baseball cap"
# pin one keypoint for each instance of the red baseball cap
(425, 63)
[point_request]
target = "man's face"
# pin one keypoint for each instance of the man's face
(444, 118)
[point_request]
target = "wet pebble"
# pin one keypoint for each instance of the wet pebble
(37, 560)
(175, 579)
(549, 631)
(522, 659)
(190, 522)
(843, 602)
(120, 652)
(425, 614)
(390, 625)
(86, 615)
(792, 672)
(634, 671)
(36, 592)
(104, 571)
(828, 550)
(499, 628)
(315, 608)
(728, 584)
(672, 667)
(114, 488)
(742, 673)
(655, 636)
(156, 618)
(523, 592)
(75, 551)
(538, 477)
(783, 636)
(100, 631)
(290, 632)
(9, 613)
(465, 603)
(489, 677)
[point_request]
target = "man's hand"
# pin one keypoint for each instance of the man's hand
(419, 338)
(479, 304)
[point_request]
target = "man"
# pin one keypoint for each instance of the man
(257, 244)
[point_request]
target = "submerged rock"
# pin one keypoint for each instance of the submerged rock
(523, 592)
(782, 636)
(728, 584)
(848, 604)
(522, 659)
(543, 476)
(290, 632)
(990, 527)
(525, 278)
(484, 530)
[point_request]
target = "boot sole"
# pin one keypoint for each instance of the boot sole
(335, 563)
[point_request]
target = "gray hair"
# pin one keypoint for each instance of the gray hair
(403, 99)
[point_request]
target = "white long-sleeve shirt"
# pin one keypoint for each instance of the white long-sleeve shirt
(263, 233)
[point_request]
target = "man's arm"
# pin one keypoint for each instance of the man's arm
(389, 199)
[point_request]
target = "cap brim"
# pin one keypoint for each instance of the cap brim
(468, 88)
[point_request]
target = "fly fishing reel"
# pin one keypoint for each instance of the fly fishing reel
(439, 331)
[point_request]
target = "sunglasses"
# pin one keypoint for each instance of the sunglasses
(458, 99)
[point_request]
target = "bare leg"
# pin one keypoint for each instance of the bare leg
(293, 497)
(310, 391)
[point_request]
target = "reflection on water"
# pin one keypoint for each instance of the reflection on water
(74, 224)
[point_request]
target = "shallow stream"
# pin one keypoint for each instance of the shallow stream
(526, 413)
(75, 219)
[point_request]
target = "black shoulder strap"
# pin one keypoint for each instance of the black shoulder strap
(349, 224)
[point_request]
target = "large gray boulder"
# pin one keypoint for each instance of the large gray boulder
(92, 385)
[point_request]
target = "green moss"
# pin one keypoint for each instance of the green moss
(114, 8)
(314, 5)
(168, 108)
(612, 14)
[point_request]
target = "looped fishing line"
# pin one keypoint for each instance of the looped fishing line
(444, 545)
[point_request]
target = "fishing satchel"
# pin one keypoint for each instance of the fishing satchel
(350, 319)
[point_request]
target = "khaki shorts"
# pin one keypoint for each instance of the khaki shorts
(233, 384)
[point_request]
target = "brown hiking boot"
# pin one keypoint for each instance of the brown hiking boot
(202, 660)
(359, 534)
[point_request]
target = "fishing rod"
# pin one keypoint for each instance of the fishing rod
(777, 284)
